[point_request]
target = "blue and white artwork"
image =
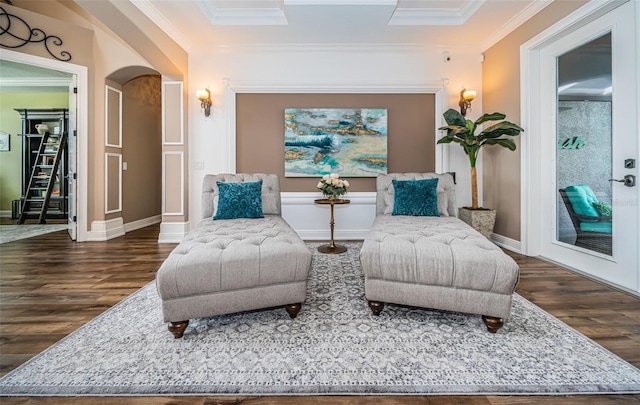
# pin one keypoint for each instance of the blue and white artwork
(349, 141)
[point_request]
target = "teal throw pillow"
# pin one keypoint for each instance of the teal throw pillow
(239, 200)
(416, 197)
(603, 208)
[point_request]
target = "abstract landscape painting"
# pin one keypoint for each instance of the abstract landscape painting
(349, 141)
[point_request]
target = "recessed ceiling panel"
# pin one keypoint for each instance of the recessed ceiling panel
(436, 12)
(268, 12)
(467, 24)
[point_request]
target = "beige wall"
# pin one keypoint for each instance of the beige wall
(10, 121)
(260, 132)
(501, 92)
(76, 39)
(141, 148)
(105, 36)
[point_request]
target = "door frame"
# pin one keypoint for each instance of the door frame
(532, 113)
(82, 165)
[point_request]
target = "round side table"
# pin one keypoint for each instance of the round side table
(332, 247)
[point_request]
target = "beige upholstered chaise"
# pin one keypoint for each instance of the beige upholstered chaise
(232, 265)
(435, 262)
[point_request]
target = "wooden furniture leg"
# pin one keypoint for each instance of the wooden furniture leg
(376, 307)
(293, 309)
(492, 323)
(177, 328)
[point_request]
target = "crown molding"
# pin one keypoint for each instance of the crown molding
(148, 9)
(338, 47)
(252, 86)
(532, 9)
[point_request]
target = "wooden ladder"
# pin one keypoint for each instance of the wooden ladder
(43, 177)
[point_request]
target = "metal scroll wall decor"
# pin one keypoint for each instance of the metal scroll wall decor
(15, 33)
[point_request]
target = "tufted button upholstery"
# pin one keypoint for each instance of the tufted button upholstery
(234, 254)
(436, 251)
(234, 265)
(434, 262)
(270, 191)
(446, 192)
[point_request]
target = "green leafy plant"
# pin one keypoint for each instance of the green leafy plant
(462, 131)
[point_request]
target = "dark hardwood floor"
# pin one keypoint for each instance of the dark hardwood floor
(50, 286)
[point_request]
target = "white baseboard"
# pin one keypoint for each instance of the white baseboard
(507, 243)
(173, 232)
(106, 230)
(142, 223)
(5, 214)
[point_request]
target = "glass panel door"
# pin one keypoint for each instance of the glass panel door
(584, 147)
(589, 146)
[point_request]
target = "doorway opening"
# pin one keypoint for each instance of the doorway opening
(76, 76)
(34, 105)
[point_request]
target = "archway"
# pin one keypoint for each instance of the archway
(133, 147)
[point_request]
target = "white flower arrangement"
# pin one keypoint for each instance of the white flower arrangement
(332, 186)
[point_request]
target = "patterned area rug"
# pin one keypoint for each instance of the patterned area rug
(9, 233)
(334, 346)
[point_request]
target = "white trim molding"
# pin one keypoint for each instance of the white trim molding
(507, 243)
(530, 113)
(163, 22)
(107, 190)
(106, 230)
(180, 84)
(164, 182)
(435, 16)
(233, 87)
(106, 116)
(523, 16)
(173, 232)
(82, 73)
(332, 47)
(142, 223)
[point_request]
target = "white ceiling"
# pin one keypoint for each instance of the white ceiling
(473, 25)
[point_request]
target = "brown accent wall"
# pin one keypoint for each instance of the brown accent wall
(260, 132)
(141, 148)
(501, 92)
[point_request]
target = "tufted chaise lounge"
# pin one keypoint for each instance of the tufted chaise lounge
(435, 262)
(233, 265)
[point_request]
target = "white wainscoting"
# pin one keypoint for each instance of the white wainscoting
(311, 221)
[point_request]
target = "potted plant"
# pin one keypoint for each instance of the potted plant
(463, 132)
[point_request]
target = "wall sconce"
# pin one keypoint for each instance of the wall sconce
(466, 96)
(205, 100)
